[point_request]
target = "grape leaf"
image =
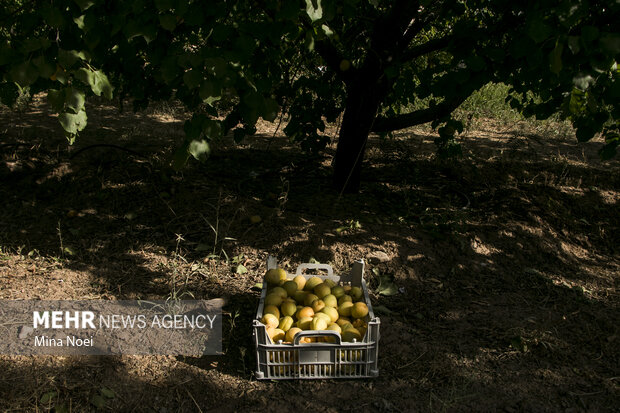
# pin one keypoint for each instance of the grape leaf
(73, 122)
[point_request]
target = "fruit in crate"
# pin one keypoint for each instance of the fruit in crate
(322, 290)
(270, 320)
(305, 312)
(345, 308)
(359, 310)
(298, 304)
(273, 299)
(304, 323)
(275, 275)
(332, 313)
(290, 287)
(300, 280)
(312, 282)
(289, 308)
(290, 335)
(318, 305)
(330, 300)
(318, 323)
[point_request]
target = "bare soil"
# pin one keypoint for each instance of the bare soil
(506, 261)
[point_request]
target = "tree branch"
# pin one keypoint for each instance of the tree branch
(387, 31)
(420, 22)
(332, 58)
(430, 46)
(417, 117)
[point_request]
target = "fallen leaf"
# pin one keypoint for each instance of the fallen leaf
(48, 397)
(109, 393)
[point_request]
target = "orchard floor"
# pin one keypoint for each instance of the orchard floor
(506, 262)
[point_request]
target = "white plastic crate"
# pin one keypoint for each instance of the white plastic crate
(320, 360)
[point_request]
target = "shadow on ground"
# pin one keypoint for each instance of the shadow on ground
(506, 263)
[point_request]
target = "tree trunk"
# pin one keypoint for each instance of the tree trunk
(363, 98)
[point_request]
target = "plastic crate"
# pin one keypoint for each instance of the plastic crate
(339, 360)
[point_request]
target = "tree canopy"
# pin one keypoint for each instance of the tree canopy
(370, 60)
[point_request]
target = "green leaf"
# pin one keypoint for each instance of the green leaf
(67, 58)
(573, 44)
(246, 45)
(475, 63)
(381, 309)
(218, 66)
(101, 85)
(555, 58)
(24, 74)
(309, 42)
(85, 75)
(241, 269)
(210, 92)
(108, 393)
(193, 127)
(98, 401)
(589, 34)
(253, 99)
(538, 30)
(79, 21)
(168, 22)
(97, 80)
(610, 43)
(56, 98)
(271, 109)
(257, 286)
(211, 128)
(32, 45)
(48, 397)
(192, 78)
(169, 69)
(74, 99)
(73, 122)
(84, 4)
(389, 289)
(136, 28)
(386, 286)
(46, 69)
(199, 149)
(164, 5)
(314, 9)
(53, 17)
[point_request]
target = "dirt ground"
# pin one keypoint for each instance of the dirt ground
(506, 262)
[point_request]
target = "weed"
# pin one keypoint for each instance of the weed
(350, 226)
(177, 294)
(220, 230)
(283, 197)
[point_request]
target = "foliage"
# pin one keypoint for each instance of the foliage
(315, 59)
(490, 102)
